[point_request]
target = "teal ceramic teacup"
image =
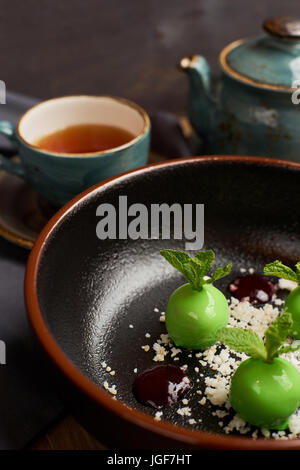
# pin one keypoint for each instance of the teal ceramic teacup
(59, 177)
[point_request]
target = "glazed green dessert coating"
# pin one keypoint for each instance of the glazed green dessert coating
(264, 394)
(265, 389)
(292, 302)
(196, 310)
(194, 317)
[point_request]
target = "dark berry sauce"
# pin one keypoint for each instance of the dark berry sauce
(161, 386)
(254, 288)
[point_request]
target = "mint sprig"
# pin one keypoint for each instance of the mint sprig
(277, 333)
(277, 268)
(289, 348)
(248, 342)
(195, 268)
(243, 341)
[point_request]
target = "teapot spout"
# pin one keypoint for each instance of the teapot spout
(199, 102)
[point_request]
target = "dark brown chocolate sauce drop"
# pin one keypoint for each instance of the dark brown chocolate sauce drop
(161, 386)
(254, 288)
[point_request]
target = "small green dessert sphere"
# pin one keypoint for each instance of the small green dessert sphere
(193, 317)
(265, 394)
(292, 305)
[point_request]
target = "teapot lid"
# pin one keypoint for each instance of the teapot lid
(270, 61)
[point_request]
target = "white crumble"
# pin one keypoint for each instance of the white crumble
(162, 319)
(243, 270)
(220, 413)
(285, 284)
(111, 389)
(158, 415)
(112, 372)
(130, 326)
(251, 270)
(265, 432)
(237, 423)
(148, 335)
(197, 369)
(203, 401)
(192, 421)
(294, 424)
(146, 348)
(175, 351)
(104, 365)
(185, 401)
(160, 351)
(135, 370)
(108, 369)
(156, 310)
(164, 339)
(185, 411)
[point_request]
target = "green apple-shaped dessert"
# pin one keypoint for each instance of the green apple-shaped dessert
(196, 310)
(265, 389)
(292, 302)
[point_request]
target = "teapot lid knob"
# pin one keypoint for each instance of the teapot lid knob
(283, 27)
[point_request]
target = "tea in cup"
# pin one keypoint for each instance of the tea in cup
(68, 144)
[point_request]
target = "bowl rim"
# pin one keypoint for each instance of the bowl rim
(93, 391)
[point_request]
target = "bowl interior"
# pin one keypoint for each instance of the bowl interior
(90, 291)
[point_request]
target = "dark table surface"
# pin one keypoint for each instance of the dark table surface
(125, 48)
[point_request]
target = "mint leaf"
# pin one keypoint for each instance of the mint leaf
(190, 274)
(198, 270)
(297, 265)
(206, 259)
(195, 269)
(176, 258)
(287, 349)
(277, 333)
(219, 273)
(182, 262)
(277, 268)
(243, 341)
(201, 264)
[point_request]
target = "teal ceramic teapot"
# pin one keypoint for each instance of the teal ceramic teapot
(252, 109)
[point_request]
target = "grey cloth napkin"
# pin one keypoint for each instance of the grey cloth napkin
(28, 399)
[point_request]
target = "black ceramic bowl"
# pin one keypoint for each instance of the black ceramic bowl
(82, 293)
